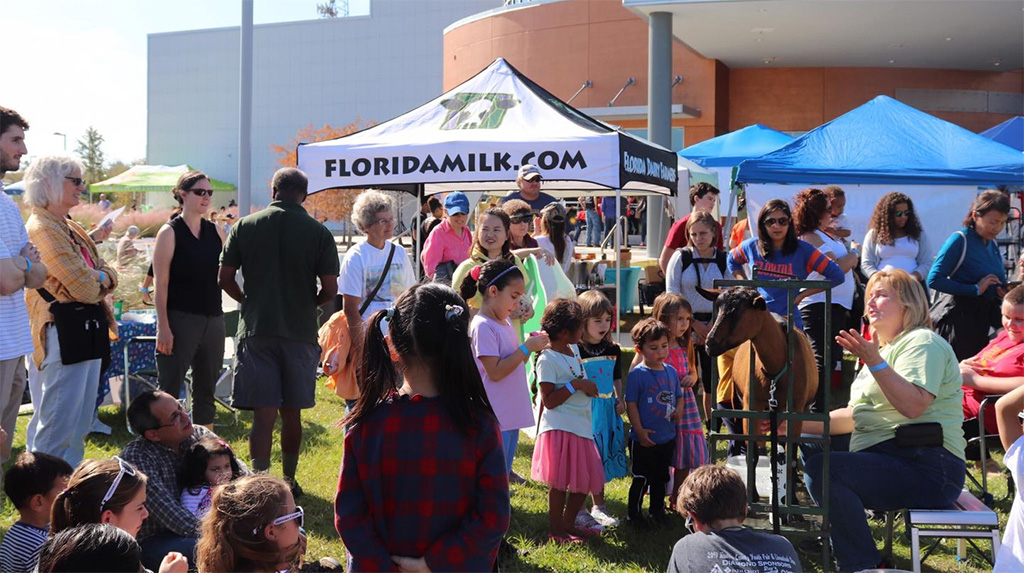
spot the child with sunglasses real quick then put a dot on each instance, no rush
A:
(253, 525)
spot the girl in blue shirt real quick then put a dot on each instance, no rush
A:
(778, 254)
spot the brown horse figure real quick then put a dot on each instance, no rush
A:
(742, 320)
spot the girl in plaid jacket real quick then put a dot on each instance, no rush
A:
(423, 478)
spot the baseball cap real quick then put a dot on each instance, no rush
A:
(456, 202)
(528, 172)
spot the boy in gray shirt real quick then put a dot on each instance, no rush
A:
(714, 500)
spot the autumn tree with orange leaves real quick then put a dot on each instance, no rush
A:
(332, 204)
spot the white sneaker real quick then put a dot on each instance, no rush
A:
(585, 521)
(599, 515)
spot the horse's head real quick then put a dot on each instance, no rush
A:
(738, 315)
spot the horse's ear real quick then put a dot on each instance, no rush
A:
(709, 294)
(760, 304)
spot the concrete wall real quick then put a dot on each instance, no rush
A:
(314, 72)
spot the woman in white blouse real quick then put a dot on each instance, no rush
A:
(552, 236)
(895, 239)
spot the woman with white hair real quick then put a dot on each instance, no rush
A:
(368, 281)
(126, 249)
(65, 380)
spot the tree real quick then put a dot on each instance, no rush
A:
(332, 9)
(90, 151)
(332, 204)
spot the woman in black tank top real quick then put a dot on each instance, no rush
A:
(190, 323)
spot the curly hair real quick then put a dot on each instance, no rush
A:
(810, 205)
(561, 315)
(234, 532)
(367, 205)
(883, 219)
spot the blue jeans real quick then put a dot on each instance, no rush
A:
(883, 477)
(595, 230)
(155, 548)
(510, 439)
(609, 222)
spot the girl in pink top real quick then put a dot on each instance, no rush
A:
(499, 356)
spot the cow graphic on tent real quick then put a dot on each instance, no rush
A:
(476, 110)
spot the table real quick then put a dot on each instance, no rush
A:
(141, 355)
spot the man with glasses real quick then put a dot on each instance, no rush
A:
(528, 182)
(165, 434)
(282, 252)
(20, 268)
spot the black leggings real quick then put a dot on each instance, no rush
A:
(814, 327)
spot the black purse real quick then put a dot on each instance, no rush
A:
(921, 435)
(82, 329)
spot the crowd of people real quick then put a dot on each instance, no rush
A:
(443, 376)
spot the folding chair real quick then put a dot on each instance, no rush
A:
(982, 441)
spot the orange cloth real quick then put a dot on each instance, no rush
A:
(61, 242)
(336, 356)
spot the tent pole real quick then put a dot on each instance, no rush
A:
(418, 247)
(618, 263)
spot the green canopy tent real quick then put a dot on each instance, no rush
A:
(154, 180)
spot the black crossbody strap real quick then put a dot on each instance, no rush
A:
(380, 281)
(46, 295)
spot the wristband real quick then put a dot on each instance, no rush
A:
(526, 351)
(880, 366)
(977, 289)
(28, 265)
(103, 277)
(144, 290)
(570, 388)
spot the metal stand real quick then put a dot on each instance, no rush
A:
(788, 506)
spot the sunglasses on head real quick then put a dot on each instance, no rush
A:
(201, 192)
(780, 221)
(297, 514)
(78, 181)
(125, 468)
(902, 213)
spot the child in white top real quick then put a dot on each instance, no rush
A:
(209, 464)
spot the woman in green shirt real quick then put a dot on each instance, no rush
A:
(906, 446)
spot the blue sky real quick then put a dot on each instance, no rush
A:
(69, 64)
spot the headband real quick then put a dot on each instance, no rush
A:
(501, 274)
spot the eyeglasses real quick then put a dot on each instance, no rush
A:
(902, 213)
(126, 468)
(78, 181)
(781, 222)
(176, 418)
(386, 222)
(201, 192)
(297, 514)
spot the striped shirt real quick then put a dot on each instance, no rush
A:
(19, 551)
(17, 338)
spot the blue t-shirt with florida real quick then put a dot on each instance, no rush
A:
(656, 393)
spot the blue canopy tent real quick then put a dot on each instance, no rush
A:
(731, 149)
(883, 146)
(15, 188)
(723, 153)
(1009, 133)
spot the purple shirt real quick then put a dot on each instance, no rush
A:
(510, 396)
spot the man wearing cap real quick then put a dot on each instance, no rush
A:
(449, 243)
(529, 189)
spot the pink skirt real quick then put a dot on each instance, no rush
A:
(567, 462)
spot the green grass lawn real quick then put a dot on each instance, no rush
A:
(621, 550)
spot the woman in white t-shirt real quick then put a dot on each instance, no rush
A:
(552, 236)
(374, 215)
(812, 214)
(895, 239)
(1011, 434)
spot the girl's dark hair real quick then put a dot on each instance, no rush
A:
(560, 315)
(552, 217)
(506, 249)
(991, 200)
(99, 547)
(810, 206)
(883, 219)
(764, 243)
(429, 325)
(80, 502)
(186, 182)
(488, 272)
(193, 467)
(668, 304)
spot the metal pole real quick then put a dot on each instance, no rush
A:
(659, 117)
(245, 113)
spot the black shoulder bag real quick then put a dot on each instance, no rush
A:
(383, 275)
(82, 329)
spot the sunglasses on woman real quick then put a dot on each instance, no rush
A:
(521, 218)
(902, 213)
(201, 192)
(125, 468)
(77, 181)
(781, 221)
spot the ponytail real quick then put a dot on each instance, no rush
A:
(378, 373)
